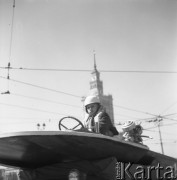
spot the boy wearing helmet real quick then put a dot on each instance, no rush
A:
(97, 120)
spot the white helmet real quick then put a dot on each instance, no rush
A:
(128, 126)
(91, 100)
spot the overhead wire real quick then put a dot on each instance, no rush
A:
(165, 110)
(122, 107)
(69, 70)
(44, 88)
(148, 129)
(33, 109)
(80, 97)
(169, 119)
(46, 100)
(157, 131)
(53, 90)
(18, 117)
(170, 114)
(163, 142)
(87, 70)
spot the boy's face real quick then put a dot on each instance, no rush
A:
(92, 108)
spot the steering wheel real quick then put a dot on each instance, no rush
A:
(70, 123)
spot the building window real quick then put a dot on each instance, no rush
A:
(93, 86)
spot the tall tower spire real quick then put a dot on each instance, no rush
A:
(94, 59)
(96, 85)
(96, 88)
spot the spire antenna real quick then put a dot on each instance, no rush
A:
(94, 54)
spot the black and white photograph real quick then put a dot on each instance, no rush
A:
(88, 89)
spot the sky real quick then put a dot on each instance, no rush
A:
(50, 46)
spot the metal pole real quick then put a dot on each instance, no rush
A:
(161, 143)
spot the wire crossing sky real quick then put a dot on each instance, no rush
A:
(84, 70)
(47, 51)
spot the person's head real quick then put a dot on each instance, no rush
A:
(92, 104)
(128, 126)
(75, 174)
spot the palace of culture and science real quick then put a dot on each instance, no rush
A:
(96, 88)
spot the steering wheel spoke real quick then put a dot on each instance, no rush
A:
(70, 123)
(64, 126)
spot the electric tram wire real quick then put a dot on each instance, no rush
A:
(122, 107)
(46, 100)
(81, 97)
(33, 109)
(87, 70)
(44, 88)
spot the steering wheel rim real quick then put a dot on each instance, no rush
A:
(69, 117)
